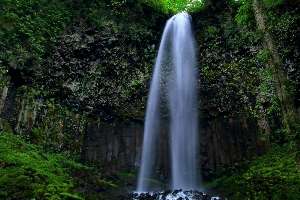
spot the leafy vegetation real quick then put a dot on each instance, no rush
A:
(58, 130)
(267, 94)
(273, 3)
(275, 175)
(245, 16)
(235, 68)
(175, 6)
(230, 60)
(26, 172)
(27, 28)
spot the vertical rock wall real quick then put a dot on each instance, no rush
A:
(117, 145)
(225, 142)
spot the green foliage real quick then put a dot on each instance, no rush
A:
(275, 175)
(26, 172)
(229, 67)
(245, 15)
(282, 25)
(3, 77)
(211, 31)
(175, 6)
(264, 56)
(267, 3)
(273, 3)
(27, 28)
(111, 59)
(267, 98)
(58, 129)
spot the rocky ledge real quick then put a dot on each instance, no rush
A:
(174, 195)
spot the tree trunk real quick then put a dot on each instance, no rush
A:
(279, 76)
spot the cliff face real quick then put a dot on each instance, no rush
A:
(117, 144)
(87, 96)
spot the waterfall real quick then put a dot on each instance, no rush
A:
(175, 79)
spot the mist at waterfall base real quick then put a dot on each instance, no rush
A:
(175, 82)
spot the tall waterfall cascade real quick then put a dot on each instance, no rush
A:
(174, 81)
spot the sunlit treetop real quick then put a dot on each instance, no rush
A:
(176, 6)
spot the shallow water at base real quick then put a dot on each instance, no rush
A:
(174, 195)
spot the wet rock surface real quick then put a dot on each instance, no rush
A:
(173, 195)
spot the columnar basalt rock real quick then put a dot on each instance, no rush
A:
(117, 144)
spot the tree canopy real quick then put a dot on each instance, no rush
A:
(175, 6)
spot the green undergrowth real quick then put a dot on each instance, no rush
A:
(27, 172)
(275, 176)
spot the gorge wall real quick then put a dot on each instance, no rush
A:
(87, 96)
(116, 145)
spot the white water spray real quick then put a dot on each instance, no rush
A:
(175, 76)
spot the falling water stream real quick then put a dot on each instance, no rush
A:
(175, 79)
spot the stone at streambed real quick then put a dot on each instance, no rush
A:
(173, 195)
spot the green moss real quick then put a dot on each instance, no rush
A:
(275, 175)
